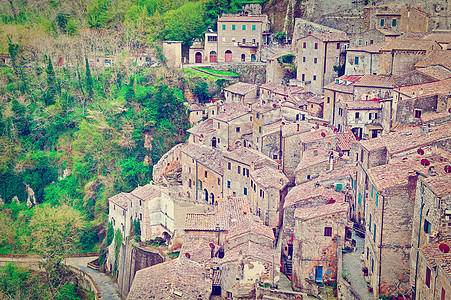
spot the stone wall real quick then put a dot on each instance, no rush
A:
(265, 293)
(167, 165)
(254, 73)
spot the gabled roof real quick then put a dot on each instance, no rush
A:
(231, 111)
(437, 72)
(308, 190)
(344, 85)
(361, 105)
(241, 88)
(434, 257)
(440, 185)
(251, 249)
(247, 156)
(288, 128)
(316, 135)
(242, 18)
(250, 226)
(211, 158)
(370, 80)
(344, 140)
(312, 212)
(203, 128)
(410, 44)
(442, 87)
(331, 37)
(269, 178)
(388, 32)
(436, 58)
(372, 48)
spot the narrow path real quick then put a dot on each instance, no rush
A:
(106, 285)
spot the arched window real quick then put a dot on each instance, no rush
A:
(252, 57)
(228, 56)
(213, 57)
(243, 57)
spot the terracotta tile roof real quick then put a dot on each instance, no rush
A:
(281, 88)
(431, 88)
(331, 37)
(211, 158)
(171, 280)
(391, 11)
(344, 85)
(146, 192)
(433, 255)
(199, 221)
(434, 116)
(344, 140)
(266, 107)
(370, 80)
(230, 209)
(372, 48)
(204, 128)
(241, 88)
(288, 128)
(247, 155)
(312, 212)
(238, 18)
(277, 55)
(121, 200)
(437, 72)
(409, 44)
(198, 249)
(436, 58)
(444, 37)
(349, 170)
(196, 107)
(440, 185)
(388, 32)
(308, 191)
(315, 135)
(250, 226)
(309, 158)
(397, 171)
(230, 111)
(361, 105)
(407, 139)
(269, 178)
(315, 99)
(251, 249)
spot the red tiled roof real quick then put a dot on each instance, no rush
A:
(440, 185)
(241, 88)
(331, 37)
(371, 80)
(438, 72)
(211, 158)
(436, 58)
(146, 192)
(361, 104)
(247, 156)
(230, 111)
(388, 32)
(288, 128)
(120, 200)
(199, 221)
(269, 178)
(250, 226)
(410, 44)
(204, 128)
(372, 48)
(253, 250)
(424, 89)
(313, 136)
(434, 116)
(344, 140)
(311, 212)
(433, 255)
(307, 191)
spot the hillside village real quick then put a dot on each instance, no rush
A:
(333, 177)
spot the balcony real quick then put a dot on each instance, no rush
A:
(248, 45)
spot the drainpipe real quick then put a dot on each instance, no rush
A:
(380, 245)
(324, 70)
(197, 183)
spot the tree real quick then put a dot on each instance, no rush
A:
(201, 90)
(89, 81)
(55, 233)
(51, 84)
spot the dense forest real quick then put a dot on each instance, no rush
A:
(72, 134)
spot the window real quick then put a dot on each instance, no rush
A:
(238, 129)
(374, 233)
(233, 27)
(229, 294)
(327, 231)
(393, 23)
(382, 22)
(254, 27)
(338, 45)
(259, 129)
(314, 78)
(428, 277)
(340, 111)
(315, 60)
(372, 265)
(140, 216)
(367, 252)
(219, 181)
(244, 27)
(189, 183)
(316, 45)
(427, 226)
(239, 170)
(303, 77)
(303, 59)
(372, 190)
(274, 156)
(229, 166)
(360, 42)
(369, 224)
(223, 27)
(219, 125)
(245, 191)
(356, 60)
(258, 116)
(417, 113)
(377, 198)
(262, 193)
(228, 184)
(304, 45)
(328, 100)
(443, 294)
(206, 174)
(357, 115)
(361, 155)
(308, 177)
(360, 198)
(212, 38)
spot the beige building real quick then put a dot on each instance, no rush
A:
(402, 19)
(316, 56)
(172, 51)
(241, 92)
(363, 60)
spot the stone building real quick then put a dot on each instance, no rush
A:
(431, 214)
(172, 51)
(197, 113)
(273, 92)
(323, 137)
(240, 92)
(316, 56)
(363, 118)
(372, 36)
(400, 55)
(274, 69)
(390, 209)
(238, 165)
(341, 89)
(315, 106)
(205, 51)
(399, 19)
(202, 173)
(433, 278)
(363, 60)
(319, 234)
(202, 133)
(267, 193)
(231, 121)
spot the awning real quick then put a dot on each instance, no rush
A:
(374, 127)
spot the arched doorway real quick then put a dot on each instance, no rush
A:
(252, 57)
(212, 198)
(213, 142)
(213, 57)
(228, 56)
(206, 195)
(243, 57)
(198, 57)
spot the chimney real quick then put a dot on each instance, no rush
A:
(431, 171)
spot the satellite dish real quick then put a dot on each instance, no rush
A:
(420, 151)
(425, 162)
(323, 134)
(444, 248)
(212, 245)
(447, 169)
(274, 105)
(187, 255)
(325, 124)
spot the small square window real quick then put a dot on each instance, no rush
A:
(393, 23)
(316, 45)
(244, 27)
(327, 231)
(229, 166)
(245, 191)
(238, 129)
(417, 113)
(228, 184)
(314, 78)
(304, 45)
(315, 60)
(357, 115)
(338, 45)
(382, 22)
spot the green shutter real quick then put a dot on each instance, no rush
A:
(244, 27)
(360, 198)
(377, 198)
(233, 26)
(393, 23)
(382, 22)
(369, 227)
(254, 27)
(372, 189)
(339, 187)
(223, 27)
